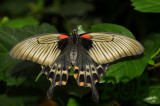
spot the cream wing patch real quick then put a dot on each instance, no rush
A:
(42, 49)
(108, 47)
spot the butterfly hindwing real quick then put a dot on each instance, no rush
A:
(86, 72)
(58, 72)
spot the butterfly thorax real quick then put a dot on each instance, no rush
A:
(74, 36)
(73, 52)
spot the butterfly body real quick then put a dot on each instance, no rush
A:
(88, 53)
(73, 54)
(74, 38)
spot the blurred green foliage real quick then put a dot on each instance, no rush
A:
(153, 96)
(152, 6)
(132, 81)
(5, 22)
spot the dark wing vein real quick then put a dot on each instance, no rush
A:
(42, 49)
(108, 47)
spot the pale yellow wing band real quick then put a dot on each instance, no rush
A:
(42, 49)
(108, 47)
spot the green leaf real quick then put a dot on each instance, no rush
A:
(4, 19)
(156, 53)
(152, 45)
(125, 70)
(152, 6)
(20, 22)
(13, 71)
(81, 29)
(107, 27)
(40, 4)
(151, 62)
(40, 73)
(72, 102)
(153, 96)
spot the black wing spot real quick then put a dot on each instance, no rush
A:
(81, 78)
(88, 79)
(51, 75)
(95, 76)
(54, 67)
(62, 44)
(76, 71)
(64, 77)
(87, 70)
(100, 70)
(87, 44)
(93, 69)
(57, 78)
(46, 69)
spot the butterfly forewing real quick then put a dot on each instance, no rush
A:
(108, 47)
(43, 49)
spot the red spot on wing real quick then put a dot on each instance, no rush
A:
(63, 36)
(87, 36)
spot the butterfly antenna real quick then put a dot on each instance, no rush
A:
(68, 20)
(83, 17)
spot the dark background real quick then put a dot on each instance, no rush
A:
(66, 15)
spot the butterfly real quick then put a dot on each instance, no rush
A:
(89, 54)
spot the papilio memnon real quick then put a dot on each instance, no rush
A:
(88, 53)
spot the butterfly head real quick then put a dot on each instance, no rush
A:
(74, 32)
(74, 35)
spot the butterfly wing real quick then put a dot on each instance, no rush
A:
(98, 49)
(43, 49)
(94, 49)
(58, 73)
(108, 47)
(86, 72)
(49, 50)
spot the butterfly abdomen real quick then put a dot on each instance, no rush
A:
(73, 54)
